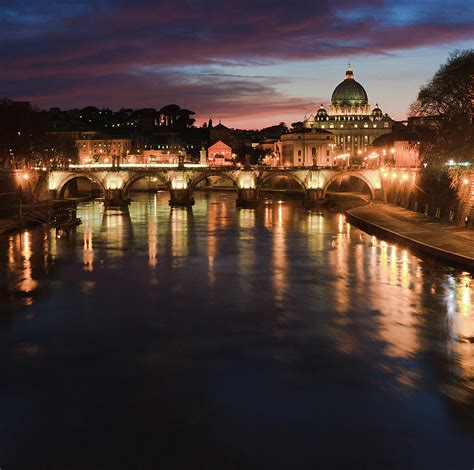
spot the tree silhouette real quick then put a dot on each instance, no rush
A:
(443, 109)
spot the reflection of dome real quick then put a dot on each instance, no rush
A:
(349, 92)
(377, 112)
(322, 113)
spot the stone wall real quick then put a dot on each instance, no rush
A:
(21, 187)
(431, 194)
(14, 191)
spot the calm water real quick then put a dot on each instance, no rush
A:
(219, 338)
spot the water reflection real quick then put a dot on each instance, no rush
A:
(179, 235)
(274, 222)
(152, 232)
(211, 283)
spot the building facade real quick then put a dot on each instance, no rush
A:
(102, 150)
(352, 121)
(305, 147)
(220, 154)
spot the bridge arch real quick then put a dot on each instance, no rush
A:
(138, 176)
(90, 176)
(287, 174)
(343, 174)
(203, 176)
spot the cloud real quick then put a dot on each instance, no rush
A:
(74, 52)
(229, 97)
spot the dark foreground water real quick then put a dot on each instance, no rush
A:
(218, 338)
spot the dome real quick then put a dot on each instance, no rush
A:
(377, 112)
(322, 111)
(349, 92)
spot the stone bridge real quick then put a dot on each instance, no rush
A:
(181, 181)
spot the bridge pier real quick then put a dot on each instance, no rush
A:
(181, 198)
(114, 199)
(314, 198)
(247, 198)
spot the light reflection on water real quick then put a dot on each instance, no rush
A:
(278, 284)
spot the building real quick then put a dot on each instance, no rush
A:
(220, 154)
(352, 121)
(305, 147)
(399, 149)
(157, 156)
(223, 133)
(103, 149)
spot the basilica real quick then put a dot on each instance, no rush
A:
(350, 121)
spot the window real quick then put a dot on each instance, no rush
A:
(327, 154)
(299, 153)
(313, 151)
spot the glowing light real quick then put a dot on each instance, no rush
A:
(179, 182)
(341, 223)
(137, 165)
(246, 181)
(466, 295)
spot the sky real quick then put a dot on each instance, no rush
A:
(251, 63)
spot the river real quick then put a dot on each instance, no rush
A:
(225, 338)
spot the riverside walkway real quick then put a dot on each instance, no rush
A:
(447, 241)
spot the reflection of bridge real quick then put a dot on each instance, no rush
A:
(182, 181)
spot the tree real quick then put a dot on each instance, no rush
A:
(172, 115)
(442, 112)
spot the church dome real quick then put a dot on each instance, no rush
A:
(377, 112)
(349, 92)
(322, 113)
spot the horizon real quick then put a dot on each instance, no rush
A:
(249, 66)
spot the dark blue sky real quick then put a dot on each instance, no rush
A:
(249, 63)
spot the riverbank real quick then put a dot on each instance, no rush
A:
(53, 213)
(445, 241)
(8, 225)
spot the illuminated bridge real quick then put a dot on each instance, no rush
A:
(182, 180)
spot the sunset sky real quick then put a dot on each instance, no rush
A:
(249, 63)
